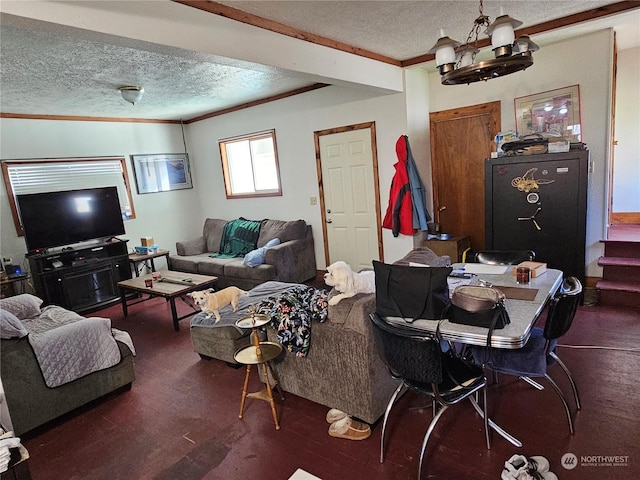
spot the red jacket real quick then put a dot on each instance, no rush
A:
(399, 216)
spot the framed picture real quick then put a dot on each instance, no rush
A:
(161, 172)
(556, 113)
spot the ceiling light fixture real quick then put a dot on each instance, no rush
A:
(457, 62)
(132, 94)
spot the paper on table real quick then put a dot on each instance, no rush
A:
(481, 268)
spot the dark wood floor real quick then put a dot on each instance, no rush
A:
(180, 419)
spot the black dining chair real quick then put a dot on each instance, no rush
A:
(539, 353)
(421, 365)
(499, 257)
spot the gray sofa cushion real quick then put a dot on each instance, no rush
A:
(187, 263)
(285, 231)
(213, 266)
(260, 273)
(192, 247)
(212, 232)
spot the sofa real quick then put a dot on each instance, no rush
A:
(342, 368)
(41, 384)
(291, 259)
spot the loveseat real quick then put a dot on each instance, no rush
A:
(292, 259)
(342, 368)
(40, 382)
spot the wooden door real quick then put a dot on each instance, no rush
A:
(348, 183)
(461, 141)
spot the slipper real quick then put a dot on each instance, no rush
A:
(334, 415)
(349, 429)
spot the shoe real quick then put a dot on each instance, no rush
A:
(519, 464)
(334, 415)
(350, 429)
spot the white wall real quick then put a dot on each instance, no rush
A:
(164, 215)
(626, 178)
(179, 215)
(586, 61)
(417, 105)
(295, 119)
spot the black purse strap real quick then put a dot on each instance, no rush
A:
(501, 311)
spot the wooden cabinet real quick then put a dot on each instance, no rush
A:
(539, 203)
(82, 279)
(454, 247)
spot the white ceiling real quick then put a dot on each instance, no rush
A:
(69, 58)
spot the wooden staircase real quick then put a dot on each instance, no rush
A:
(620, 284)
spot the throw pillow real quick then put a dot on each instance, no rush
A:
(11, 326)
(22, 306)
(256, 257)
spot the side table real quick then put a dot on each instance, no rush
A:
(261, 354)
(146, 260)
(454, 247)
(8, 285)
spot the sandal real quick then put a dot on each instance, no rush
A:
(334, 415)
(350, 429)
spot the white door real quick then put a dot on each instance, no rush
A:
(349, 195)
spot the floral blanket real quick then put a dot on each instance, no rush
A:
(292, 313)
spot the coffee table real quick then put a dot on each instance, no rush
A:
(170, 285)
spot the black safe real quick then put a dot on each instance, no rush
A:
(539, 203)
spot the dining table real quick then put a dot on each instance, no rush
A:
(524, 304)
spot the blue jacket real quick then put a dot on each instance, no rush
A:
(420, 214)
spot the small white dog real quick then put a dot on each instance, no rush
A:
(349, 283)
(211, 301)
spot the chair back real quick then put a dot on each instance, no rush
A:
(562, 308)
(500, 257)
(410, 357)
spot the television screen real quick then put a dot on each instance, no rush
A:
(54, 219)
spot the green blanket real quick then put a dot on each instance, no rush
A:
(239, 237)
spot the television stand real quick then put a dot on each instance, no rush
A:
(81, 278)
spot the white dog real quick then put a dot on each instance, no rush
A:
(349, 283)
(211, 301)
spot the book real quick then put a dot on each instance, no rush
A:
(537, 268)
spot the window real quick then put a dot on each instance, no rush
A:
(250, 165)
(55, 175)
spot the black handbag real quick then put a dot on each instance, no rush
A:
(411, 292)
(478, 306)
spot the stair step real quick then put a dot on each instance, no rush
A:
(621, 294)
(631, 287)
(619, 261)
(621, 248)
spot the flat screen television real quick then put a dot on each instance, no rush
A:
(55, 219)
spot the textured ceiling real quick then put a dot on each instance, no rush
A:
(402, 29)
(50, 69)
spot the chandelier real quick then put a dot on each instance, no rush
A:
(457, 62)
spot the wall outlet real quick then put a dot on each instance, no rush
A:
(313, 201)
